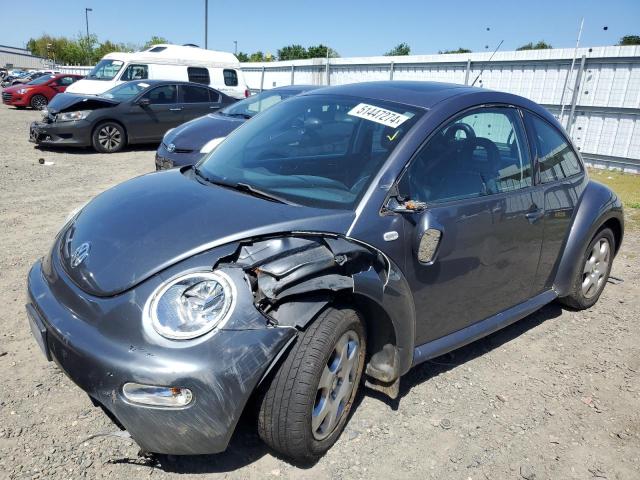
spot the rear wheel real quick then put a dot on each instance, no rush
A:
(109, 137)
(593, 272)
(307, 403)
(38, 102)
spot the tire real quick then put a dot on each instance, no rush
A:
(592, 273)
(38, 102)
(109, 137)
(291, 419)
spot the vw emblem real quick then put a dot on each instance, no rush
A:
(171, 148)
(80, 254)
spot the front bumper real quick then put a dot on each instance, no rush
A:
(178, 158)
(63, 134)
(100, 356)
(14, 99)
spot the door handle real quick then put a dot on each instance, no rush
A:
(534, 215)
(175, 109)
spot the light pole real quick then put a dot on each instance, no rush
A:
(86, 17)
(235, 47)
(206, 19)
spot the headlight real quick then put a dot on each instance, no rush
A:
(71, 116)
(192, 304)
(22, 90)
(211, 144)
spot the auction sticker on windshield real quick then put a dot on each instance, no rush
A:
(378, 115)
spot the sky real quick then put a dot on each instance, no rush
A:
(352, 27)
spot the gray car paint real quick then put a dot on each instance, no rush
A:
(157, 226)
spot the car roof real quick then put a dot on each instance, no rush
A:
(295, 88)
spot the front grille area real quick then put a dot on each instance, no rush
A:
(6, 97)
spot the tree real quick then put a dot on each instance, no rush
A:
(242, 57)
(541, 45)
(400, 49)
(459, 50)
(155, 40)
(630, 40)
(260, 57)
(320, 51)
(292, 52)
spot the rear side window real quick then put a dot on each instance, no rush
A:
(556, 157)
(135, 72)
(214, 96)
(230, 77)
(191, 94)
(198, 75)
(66, 81)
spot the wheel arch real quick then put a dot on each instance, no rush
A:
(599, 208)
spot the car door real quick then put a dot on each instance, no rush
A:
(153, 113)
(197, 101)
(473, 251)
(560, 181)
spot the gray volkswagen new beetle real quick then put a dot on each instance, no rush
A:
(341, 237)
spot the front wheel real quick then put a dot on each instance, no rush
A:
(307, 403)
(38, 102)
(593, 272)
(109, 137)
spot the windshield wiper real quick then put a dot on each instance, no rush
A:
(242, 115)
(245, 188)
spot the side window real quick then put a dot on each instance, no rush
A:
(191, 94)
(214, 96)
(198, 75)
(65, 81)
(162, 95)
(556, 157)
(479, 153)
(135, 72)
(230, 77)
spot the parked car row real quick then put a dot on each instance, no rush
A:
(38, 92)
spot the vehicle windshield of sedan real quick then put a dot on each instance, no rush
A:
(315, 150)
(105, 70)
(125, 91)
(41, 80)
(255, 104)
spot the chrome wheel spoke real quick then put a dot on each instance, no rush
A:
(596, 268)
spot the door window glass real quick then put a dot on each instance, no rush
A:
(162, 95)
(135, 72)
(230, 77)
(214, 96)
(198, 75)
(65, 81)
(479, 153)
(556, 158)
(195, 94)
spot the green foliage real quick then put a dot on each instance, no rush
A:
(541, 45)
(242, 57)
(630, 40)
(292, 52)
(320, 51)
(400, 49)
(459, 50)
(81, 50)
(260, 57)
(155, 40)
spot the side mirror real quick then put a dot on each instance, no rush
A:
(144, 102)
(399, 205)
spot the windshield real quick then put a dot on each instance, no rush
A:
(125, 91)
(315, 150)
(105, 70)
(41, 80)
(255, 104)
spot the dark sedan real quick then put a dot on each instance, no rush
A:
(188, 143)
(133, 112)
(346, 234)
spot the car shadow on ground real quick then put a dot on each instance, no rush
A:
(138, 147)
(246, 447)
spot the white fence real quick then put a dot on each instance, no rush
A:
(601, 97)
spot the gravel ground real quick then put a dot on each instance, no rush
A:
(555, 396)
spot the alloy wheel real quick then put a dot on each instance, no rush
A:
(596, 268)
(38, 102)
(109, 137)
(336, 385)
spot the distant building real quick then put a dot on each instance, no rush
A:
(15, 57)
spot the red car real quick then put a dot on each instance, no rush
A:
(39, 92)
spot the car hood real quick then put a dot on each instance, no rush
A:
(69, 102)
(194, 134)
(149, 223)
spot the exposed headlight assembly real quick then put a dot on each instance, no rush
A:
(191, 305)
(71, 116)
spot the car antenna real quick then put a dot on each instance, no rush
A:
(486, 63)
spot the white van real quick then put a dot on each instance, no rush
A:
(166, 62)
